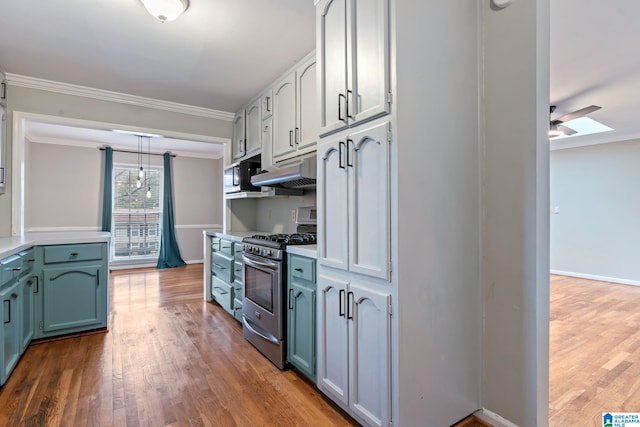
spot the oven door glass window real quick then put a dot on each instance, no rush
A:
(259, 287)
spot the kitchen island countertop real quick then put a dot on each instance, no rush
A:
(15, 244)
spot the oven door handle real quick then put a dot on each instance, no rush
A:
(253, 262)
(253, 330)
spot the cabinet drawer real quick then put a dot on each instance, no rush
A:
(222, 267)
(67, 253)
(237, 313)
(222, 292)
(215, 244)
(10, 268)
(303, 268)
(226, 247)
(28, 258)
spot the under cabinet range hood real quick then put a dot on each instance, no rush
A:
(300, 176)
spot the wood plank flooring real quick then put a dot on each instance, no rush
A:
(168, 359)
(594, 350)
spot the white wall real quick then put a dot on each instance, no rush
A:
(63, 191)
(515, 249)
(38, 101)
(435, 152)
(596, 232)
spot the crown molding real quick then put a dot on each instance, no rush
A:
(106, 95)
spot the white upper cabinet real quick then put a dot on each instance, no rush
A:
(3, 141)
(306, 106)
(253, 128)
(3, 90)
(354, 202)
(353, 60)
(247, 131)
(237, 147)
(267, 104)
(295, 112)
(284, 116)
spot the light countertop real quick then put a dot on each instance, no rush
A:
(310, 251)
(12, 245)
(233, 235)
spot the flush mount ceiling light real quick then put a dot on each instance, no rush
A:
(165, 10)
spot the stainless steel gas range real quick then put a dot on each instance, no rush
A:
(264, 303)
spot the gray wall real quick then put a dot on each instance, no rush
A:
(38, 101)
(596, 232)
(515, 249)
(436, 156)
(64, 192)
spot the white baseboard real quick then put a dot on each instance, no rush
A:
(494, 419)
(596, 277)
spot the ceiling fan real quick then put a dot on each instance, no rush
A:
(556, 127)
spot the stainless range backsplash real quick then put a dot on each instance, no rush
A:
(274, 213)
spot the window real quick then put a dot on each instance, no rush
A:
(136, 219)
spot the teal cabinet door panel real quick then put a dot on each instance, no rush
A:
(10, 329)
(302, 325)
(73, 297)
(27, 290)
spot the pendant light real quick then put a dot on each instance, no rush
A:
(140, 171)
(165, 10)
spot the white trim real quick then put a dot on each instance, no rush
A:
(147, 265)
(596, 277)
(107, 95)
(95, 144)
(60, 229)
(198, 226)
(492, 418)
(18, 137)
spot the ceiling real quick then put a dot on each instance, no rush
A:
(595, 60)
(217, 55)
(221, 53)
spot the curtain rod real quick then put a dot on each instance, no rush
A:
(136, 152)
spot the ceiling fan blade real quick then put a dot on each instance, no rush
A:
(566, 130)
(578, 113)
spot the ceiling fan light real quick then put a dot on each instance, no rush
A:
(165, 10)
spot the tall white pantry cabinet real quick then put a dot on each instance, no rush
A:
(354, 208)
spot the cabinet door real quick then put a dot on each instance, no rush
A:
(238, 145)
(73, 297)
(284, 116)
(332, 340)
(369, 354)
(27, 289)
(267, 104)
(301, 346)
(3, 141)
(332, 205)
(369, 201)
(11, 302)
(253, 128)
(368, 59)
(266, 158)
(307, 106)
(331, 27)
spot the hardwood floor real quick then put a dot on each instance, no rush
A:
(168, 359)
(594, 350)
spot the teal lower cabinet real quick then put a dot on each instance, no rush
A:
(10, 312)
(72, 295)
(28, 289)
(224, 274)
(301, 315)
